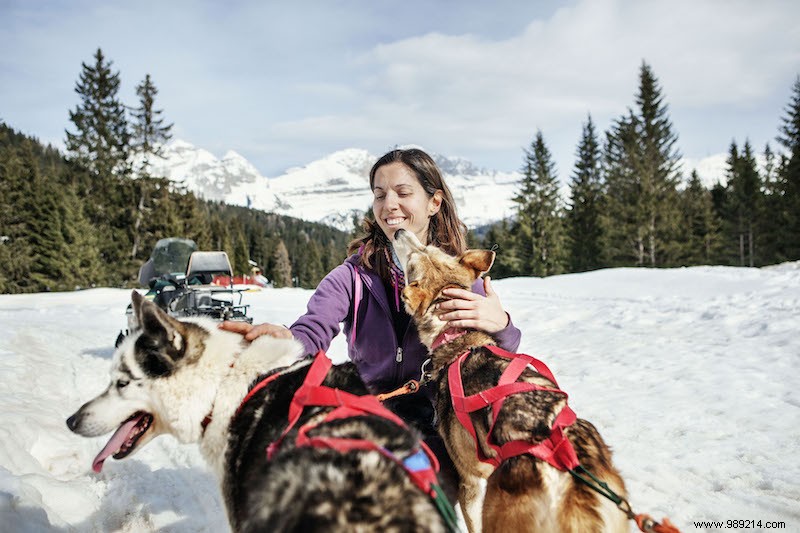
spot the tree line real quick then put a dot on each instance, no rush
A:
(630, 205)
(91, 217)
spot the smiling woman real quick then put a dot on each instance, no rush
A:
(363, 293)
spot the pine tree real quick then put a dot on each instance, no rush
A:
(622, 228)
(154, 214)
(583, 217)
(282, 269)
(100, 146)
(42, 209)
(744, 201)
(141, 191)
(101, 140)
(642, 166)
(241, 255)
(501, 238)
(541, 237)
(82, 259)
(307, 264)
(789, 174)
(149, 133)
(260, 251)
(772, 217)
(220, 236)
(5, 256)
(15, 251)
(724, 204)
(194, 216)
(700, 222)
(332, 257)
(43, 229)
(770, 170)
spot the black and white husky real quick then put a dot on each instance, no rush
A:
(188, 379)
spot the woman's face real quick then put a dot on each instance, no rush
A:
(400, 201)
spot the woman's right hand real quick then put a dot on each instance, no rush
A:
(252, 332)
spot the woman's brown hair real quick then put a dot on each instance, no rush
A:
(445, 230)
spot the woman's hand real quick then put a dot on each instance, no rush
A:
(252, 332)
(466, 309)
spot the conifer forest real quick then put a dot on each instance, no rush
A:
(91, 216)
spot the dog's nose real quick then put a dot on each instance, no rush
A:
(73, 421)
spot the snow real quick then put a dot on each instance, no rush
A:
(689, 374)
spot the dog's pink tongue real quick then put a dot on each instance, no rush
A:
(114, 444)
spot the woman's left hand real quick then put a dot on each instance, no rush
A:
(466, 309)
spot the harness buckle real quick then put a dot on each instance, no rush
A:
(625, 507)
(425, 375)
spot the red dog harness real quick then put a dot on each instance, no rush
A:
(421, 466)
(556, 450)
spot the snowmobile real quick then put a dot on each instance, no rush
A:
(180, 279)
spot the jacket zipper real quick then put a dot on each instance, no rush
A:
(399, 354)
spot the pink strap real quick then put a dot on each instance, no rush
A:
(356, 299)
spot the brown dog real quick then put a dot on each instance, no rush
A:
(523, 493)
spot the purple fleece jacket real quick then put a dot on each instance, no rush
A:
(384, 362)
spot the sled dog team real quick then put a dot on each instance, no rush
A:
(299, 445)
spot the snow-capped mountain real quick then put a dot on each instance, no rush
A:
(202, 173)
(334, 189)
(330, 190)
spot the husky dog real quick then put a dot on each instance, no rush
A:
(188, 379)
(523, 493)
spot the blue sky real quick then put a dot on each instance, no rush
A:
(284, 83)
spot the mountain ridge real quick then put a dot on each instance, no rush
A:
(335, 188)
(331, 190)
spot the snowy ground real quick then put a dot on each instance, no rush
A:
(690, 375)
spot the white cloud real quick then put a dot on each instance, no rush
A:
(471, 93)
(286, 85)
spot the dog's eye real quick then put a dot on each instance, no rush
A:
(121, 384)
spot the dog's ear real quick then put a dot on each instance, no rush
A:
(162, 342)
(479, 261)
(413, 296)
(158, 323)
(136, 302)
